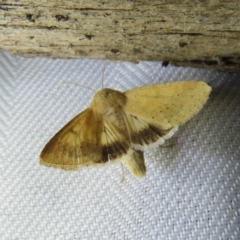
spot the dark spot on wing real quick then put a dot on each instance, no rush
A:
(114, 150)
(149, 135)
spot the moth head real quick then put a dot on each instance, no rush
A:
(107, 99)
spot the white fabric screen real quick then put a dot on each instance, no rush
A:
(191, 191)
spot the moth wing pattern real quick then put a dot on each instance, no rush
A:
(88, 139)
(76, 144)
(115, 143)
(154, 112)
(145, 133)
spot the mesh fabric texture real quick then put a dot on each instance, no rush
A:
(192, 187)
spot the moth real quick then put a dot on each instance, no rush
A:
(119, 126)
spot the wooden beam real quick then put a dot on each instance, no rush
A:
(202, 33)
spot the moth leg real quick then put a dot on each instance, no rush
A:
(123, 175)
(166, 146)
(136, 165)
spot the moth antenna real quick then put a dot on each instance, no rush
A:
(78, 84)
(104, 66)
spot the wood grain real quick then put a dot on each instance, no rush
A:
(202, 33)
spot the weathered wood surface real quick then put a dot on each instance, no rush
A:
(202, 33)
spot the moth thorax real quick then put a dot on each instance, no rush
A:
(108, 102)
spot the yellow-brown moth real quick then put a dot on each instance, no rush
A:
(119, 126)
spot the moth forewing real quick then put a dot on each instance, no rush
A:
(168, 104)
